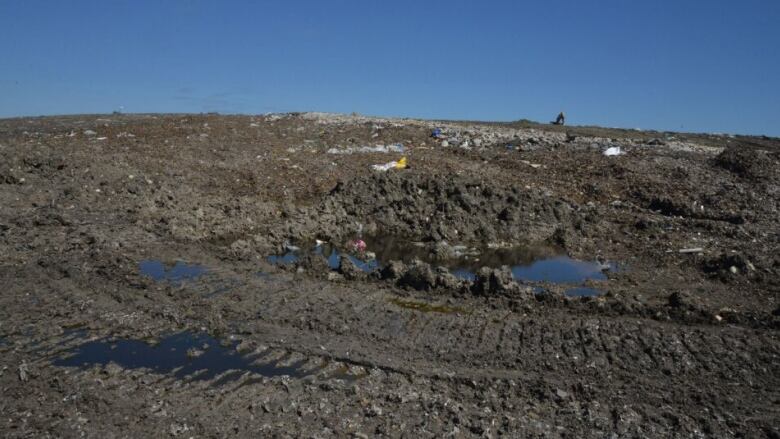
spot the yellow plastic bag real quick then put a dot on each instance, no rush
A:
(401, 164)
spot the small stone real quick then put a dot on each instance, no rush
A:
(562, 394)
(733, 269)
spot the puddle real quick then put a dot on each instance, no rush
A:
(181, 271)
(183, 355)
(560, 269)
(583, 292)
(529, 264)
(427, 307)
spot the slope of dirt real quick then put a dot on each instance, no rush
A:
(158, 228)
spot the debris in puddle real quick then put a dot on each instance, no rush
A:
(530, 264)
(181, 271)
(196, 356)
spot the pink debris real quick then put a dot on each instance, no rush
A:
(358, 245)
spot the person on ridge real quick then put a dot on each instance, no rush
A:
(560, 120)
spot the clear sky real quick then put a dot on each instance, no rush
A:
(704, 65)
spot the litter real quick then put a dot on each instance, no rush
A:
(289, 247)
(396, 147)
(358, 245)
(613, 150)
(692, 250)
(399, 164)
(436, 133)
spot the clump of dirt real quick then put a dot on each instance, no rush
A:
(748, 163)
(497, 281)
(726, 266)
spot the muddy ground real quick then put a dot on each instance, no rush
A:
(139, 300)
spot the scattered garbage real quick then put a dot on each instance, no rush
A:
(89, 133)
(692, 250)
(613, 150)
(436, 133)
(396, 147)
(395, 164)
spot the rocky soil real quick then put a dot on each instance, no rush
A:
(161, 277)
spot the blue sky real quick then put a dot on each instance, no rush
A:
(710, 66)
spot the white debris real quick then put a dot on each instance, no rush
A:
(614, 150)
(396, 147)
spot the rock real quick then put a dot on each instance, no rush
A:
(349, 270)
(373, 411)
(418, 276)
(446, 280)
(241, 248)
(562, 394)
(24, 372)
(727, 263)
(443, 251)
(445, 143)
(335, 277)
(491, 282)
(393, 270)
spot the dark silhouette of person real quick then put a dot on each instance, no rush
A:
(561, 119)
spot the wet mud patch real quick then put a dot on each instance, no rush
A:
(179, 272)
(186, 355)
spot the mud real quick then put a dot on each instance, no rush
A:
(197, 280)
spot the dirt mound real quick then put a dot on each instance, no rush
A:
(752, 164)
(432, 208)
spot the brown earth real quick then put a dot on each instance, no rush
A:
(683, 344)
